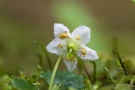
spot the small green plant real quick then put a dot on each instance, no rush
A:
(109, 72)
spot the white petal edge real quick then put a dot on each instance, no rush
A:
(70, 65)
(60, 28)
(90, 54)
(52, 47)
(83, 32)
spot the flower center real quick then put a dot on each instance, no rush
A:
(72, 45)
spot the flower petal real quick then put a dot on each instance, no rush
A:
(90, 54)
(82, 33)
(71, 65)
(59, 29)
(56, 46)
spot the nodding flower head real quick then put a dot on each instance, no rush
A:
(72, 45)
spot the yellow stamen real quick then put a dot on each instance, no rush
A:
(83, 51)
(60, 45)
(77, 37)
(63, 35)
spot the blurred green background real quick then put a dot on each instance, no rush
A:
(22, 21)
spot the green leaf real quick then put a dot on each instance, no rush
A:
(108, 87)
(3, 84)
(21, 84)
(126, 79)
(109, 75)
(123, 87)
(64, 79)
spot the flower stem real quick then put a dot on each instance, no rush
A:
(84, 68)
(94, 66)
(54, 72)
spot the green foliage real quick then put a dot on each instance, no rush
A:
(107, 87)
(21, 84)
(109, 75)
(31, 80)
(88, 84)
(103, 77)
(118, 61)
(128, 79)
(64, 79)
(4, 83)
(123, 87)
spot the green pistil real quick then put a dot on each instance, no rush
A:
(73, 46)
(70, 51)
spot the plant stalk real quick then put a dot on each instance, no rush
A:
(94, 66)
(54, 72)
(122, 65)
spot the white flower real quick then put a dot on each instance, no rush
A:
(71, 44)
